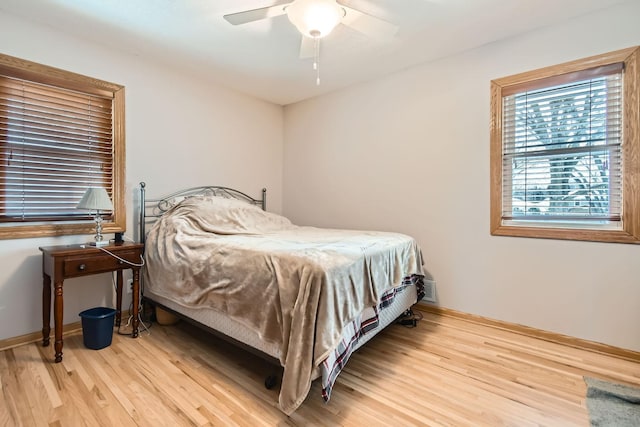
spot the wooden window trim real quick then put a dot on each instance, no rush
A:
(630, 232)
(16, 67)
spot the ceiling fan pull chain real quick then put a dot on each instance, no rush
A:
(316, 59)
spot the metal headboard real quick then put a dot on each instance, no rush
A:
(152, 209)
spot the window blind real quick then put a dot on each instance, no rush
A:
(562, 151)
(55, 143)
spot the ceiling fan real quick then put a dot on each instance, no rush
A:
(315, 19)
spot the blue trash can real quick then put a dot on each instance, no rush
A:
(97, 327)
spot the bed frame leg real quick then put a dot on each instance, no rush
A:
(271, 381)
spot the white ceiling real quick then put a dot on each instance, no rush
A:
(261, 58)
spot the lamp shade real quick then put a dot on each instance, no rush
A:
(315, 18)
(95, 199)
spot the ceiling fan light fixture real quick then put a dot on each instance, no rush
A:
(315, 18)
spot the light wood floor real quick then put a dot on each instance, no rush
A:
(447, 371)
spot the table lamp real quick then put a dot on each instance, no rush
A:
(96, 199)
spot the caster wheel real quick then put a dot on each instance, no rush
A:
(270, 382)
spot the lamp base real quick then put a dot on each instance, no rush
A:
(99, 243)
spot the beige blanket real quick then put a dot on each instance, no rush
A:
(295, 286)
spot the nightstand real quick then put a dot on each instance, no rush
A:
(63, 262)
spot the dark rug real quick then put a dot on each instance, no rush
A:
(612, 405)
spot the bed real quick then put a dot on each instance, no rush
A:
(303, 297)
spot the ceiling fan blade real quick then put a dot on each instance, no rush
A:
(367, 24)
(307, 47)
(247, 16)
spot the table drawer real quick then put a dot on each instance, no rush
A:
(81, 265)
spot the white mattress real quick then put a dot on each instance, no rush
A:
(219, 322)
(241, 333)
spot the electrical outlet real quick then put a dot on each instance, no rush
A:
(130, 286)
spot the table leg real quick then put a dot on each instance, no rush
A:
(136, 301)
(58, 304)
(46, 309)
(118, 298)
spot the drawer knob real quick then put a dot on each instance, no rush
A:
(82, 267)
(120, 262)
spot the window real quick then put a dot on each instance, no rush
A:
(565, 150)
(60, 133)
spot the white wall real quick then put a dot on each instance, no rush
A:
(180, 131)
(410, 153)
